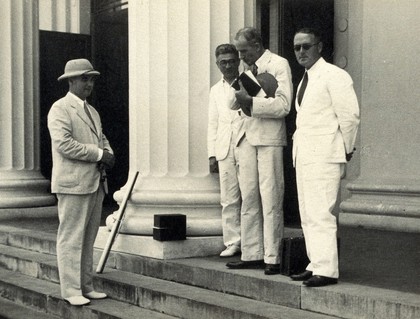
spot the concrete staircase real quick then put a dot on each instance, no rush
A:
(195, 288)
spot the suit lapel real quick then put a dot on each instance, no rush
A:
(96, 125)
(82, 114)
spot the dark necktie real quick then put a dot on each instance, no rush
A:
(254, 69)
(89, 115)
(303, 87)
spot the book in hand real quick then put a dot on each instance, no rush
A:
(250, 84)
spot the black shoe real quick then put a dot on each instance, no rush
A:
(272, 269)
(319, 281)
(302, 276)
(252, 264)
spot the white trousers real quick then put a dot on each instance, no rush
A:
(230, 199)
(318, 185)
(261, 181)
(79, 217)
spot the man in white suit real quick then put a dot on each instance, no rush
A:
(223, 127)
(260, 155)
(81, 153)
(326, 127)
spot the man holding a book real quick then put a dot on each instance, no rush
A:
(260, 153)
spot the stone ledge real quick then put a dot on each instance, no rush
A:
(31, 212)
(147, 246)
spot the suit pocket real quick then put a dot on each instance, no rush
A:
(68, 181)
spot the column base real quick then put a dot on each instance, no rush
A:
(384, 205)
(148, 247)
(21, 189)
(31, 212)
(143, 225)
(196, 197)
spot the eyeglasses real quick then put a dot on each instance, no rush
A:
(305, 46)
(223, 63)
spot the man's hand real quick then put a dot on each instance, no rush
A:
(349, 155)
(235, 106)
(244, 99)
(213, 165)
(108, 160)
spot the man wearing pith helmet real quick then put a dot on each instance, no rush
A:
(81, 154)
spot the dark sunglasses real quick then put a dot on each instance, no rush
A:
(305, 46)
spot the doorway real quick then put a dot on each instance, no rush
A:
(110, 55)
(107, 48)
(52, 59)
(278, 21)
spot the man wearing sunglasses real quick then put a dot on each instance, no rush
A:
(326, 127)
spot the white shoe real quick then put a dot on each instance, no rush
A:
(231, 250)
(96, 295)
(77, 300)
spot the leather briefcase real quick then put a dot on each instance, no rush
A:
(293, 256)
(294, 259)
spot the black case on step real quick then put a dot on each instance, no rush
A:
(293, 256)
(169, 227)
(294, 259)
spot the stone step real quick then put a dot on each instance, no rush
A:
(41, 241)
(192, 302)
(30, 263)
(344, 300)
(209, 273)
(155, 294)
(11, 310)
(43, 297)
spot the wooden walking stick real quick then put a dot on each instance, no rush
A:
(116, 226)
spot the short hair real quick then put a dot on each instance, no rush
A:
(313, 31)
(251, 34)
(226, 49)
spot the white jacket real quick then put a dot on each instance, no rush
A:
(75, 147)
(266, 126)
(223, 122)
(328, 118)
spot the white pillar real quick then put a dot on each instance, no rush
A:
(71, 16)
(171, 49)
(21, 183)
(386, 194)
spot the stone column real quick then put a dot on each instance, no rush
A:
(72, 16)
(172, 67)
(386, 195)
(380, 221)
(21, 183)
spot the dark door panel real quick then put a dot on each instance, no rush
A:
(55, 49)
